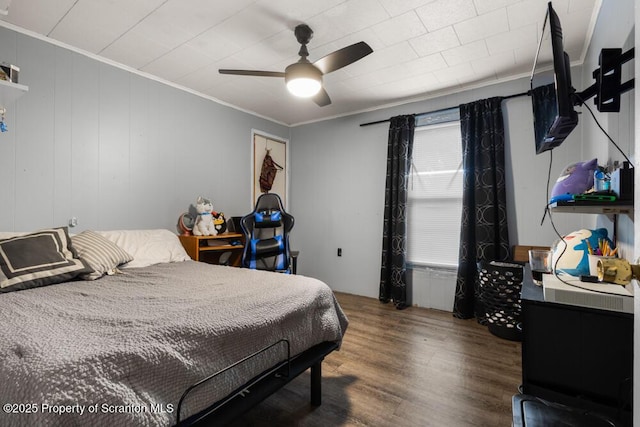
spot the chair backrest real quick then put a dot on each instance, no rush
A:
(266, 231)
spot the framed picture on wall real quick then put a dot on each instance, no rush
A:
(270, 172)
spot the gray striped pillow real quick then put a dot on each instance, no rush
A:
(102, 255)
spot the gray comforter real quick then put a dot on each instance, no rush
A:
(121, 350)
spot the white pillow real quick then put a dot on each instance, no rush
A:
(148, 247)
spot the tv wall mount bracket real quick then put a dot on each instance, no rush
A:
(608, 86)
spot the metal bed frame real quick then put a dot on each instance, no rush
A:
(261, 386)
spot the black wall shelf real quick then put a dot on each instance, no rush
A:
(588, 207)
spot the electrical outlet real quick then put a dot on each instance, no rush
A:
(339, 251)
(73, 222)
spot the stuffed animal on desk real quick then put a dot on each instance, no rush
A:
(204, 225)
(219, 223)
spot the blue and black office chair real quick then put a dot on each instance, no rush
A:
(266, 231)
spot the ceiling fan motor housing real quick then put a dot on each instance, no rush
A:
(303, 33)
(302, 70)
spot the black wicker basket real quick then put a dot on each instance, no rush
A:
(499, 286)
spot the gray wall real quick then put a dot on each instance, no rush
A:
(338, 178)
(117, 150)
(615, 29)
(338, 172)
(112, 148)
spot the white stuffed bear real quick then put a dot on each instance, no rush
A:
(204, 225)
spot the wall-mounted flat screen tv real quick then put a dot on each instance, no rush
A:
(554, 115)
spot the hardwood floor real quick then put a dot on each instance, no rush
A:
(414, 367)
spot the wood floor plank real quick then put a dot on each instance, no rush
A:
(412, 367)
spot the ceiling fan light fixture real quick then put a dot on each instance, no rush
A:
(304, 87)
(303, 79)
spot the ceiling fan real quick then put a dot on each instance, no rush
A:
(304, 78)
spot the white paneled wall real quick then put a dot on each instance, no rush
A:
(112, 148)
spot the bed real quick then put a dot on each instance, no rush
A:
(120, 343)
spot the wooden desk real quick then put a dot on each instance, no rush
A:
(210, 248)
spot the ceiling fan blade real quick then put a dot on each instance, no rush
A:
(252, 73)
(343, 57)
(322, 98)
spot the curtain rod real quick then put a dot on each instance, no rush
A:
(527, 93)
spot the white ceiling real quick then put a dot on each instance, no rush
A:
(422, 48)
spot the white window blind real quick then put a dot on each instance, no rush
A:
(434, 202)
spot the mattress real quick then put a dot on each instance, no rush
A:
(121, 350)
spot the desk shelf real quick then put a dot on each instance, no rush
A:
(206, 249)
(218, 248)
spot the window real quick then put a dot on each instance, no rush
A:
(434, 202)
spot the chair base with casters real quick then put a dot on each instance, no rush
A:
(266, 231)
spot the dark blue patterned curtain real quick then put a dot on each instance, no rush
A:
(393, 283)
(484, 234)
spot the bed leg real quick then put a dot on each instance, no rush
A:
(316, 384)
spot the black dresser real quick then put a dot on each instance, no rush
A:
(576, 356)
